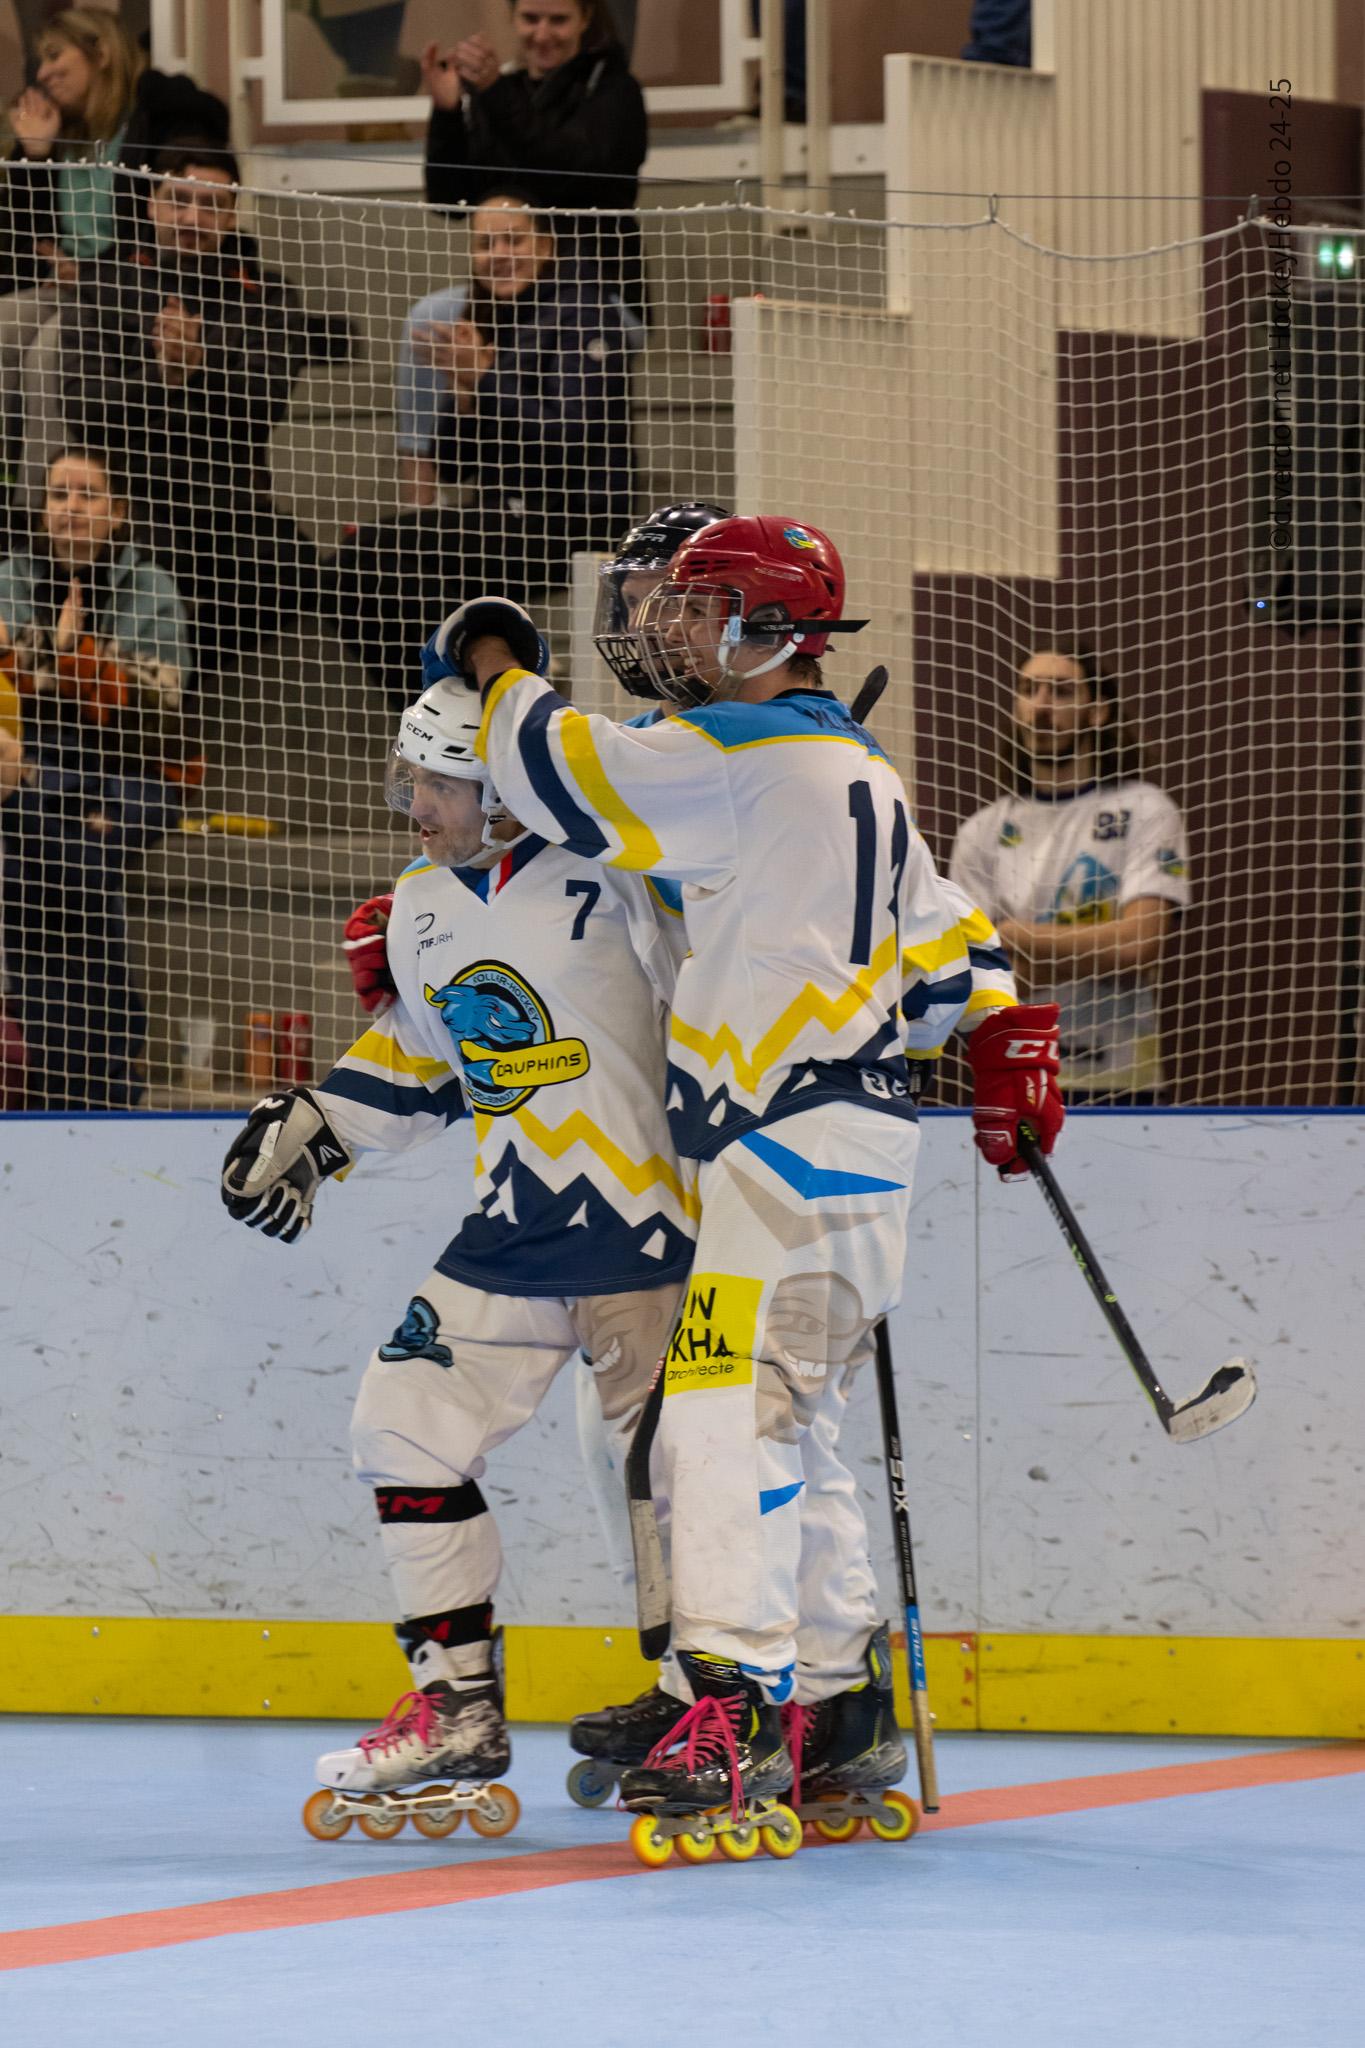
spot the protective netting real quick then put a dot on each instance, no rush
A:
(256, 456)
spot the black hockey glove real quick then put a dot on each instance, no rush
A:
(446, 654)
(278, 1161)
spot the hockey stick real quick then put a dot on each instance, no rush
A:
(873, 685)
(1231, 1390)
(653, 1602)
(922, 1720)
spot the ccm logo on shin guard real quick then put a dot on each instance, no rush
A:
(437, 1504)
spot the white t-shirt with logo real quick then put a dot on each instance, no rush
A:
(1080, 859)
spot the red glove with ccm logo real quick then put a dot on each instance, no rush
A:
(366, 952)
(1014, 1080)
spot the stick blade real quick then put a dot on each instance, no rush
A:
(1228, 1394)
(653, 1599)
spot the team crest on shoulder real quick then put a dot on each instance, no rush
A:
(504, 1037)
(1010, 835)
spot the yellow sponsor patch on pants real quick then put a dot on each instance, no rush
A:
(713, 1345)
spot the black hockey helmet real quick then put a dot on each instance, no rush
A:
(646, 551)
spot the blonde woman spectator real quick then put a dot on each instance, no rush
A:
(94, 106)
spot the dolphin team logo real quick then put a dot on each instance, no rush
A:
(504, 1036)
(416, 1335)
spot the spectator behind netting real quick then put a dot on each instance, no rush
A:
(566, 127)
(1083, 870)
(533, 425)
(61, 210)
(179, 358)
(96, 640)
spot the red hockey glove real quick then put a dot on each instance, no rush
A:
(367, 956)
(1014, 1073)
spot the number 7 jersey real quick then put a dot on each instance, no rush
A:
(534, 994)
(806, 889)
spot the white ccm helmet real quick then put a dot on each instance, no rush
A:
(438, 733)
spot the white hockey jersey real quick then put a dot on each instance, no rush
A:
(808, 894)
(1078, 859)
(534, 994)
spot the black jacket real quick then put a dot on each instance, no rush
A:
(575, 138)
(164, 106)
(547, 438)
(204, 439)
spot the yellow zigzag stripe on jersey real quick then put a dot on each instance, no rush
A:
(935, 954)
(635, 1176)
(977, 928)
(639, 847)
(382, 1051)
(490, 704)
(811, 1006)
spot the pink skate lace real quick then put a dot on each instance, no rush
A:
(796, 1726)
(707, 1731)
(414, 1714)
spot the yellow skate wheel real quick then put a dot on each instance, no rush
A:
(900, 1823)
(436, 1822)
(695, 1848)
(782, 1832)
(498, 1812)
(649, 1846)
(379, 1821)
(843, 1829)
(739, 1845)
(324, 1817)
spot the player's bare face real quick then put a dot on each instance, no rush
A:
(505, 252)
(636, 586)
(687, 632)
(549, 33)
(1055, 709)
(448, 814)
(195, 214)
(65, 73)
(81, 515)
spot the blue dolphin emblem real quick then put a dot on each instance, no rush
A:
(415, 1336)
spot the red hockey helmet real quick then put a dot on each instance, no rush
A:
(771, 582)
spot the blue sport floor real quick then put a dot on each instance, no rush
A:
(156, 1885)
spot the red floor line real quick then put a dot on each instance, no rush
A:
(406, 1891)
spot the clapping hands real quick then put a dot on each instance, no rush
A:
(471, 65)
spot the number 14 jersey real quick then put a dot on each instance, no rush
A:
(823, 945)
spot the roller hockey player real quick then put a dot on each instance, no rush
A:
(531, 987)
(804, 886)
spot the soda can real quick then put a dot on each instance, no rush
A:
(294, 1049)
(715, 325)
(258, 1047)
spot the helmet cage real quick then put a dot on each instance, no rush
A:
(666, 628)
(613, 628)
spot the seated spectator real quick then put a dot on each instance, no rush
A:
(532, 424)
(567, 126)
(1083, 870)
(62, 210)
(179, 359)
(96, 641)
